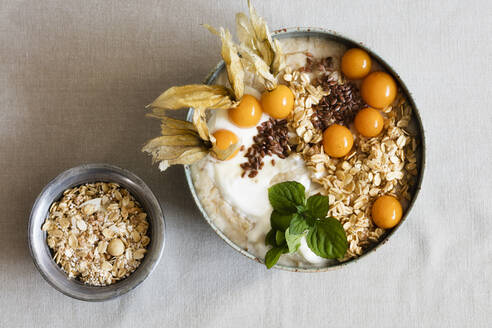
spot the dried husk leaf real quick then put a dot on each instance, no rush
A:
(188, 157)
(223, 154)
(187, 142)
(166, 153)
(263, 40)
(259, 66)
(174, 127)
(180, 143)
(234, 67)
(279, 59)
(254, 35)
(193, 95)
(172, 123)
(244, 31)
(165, 131)
(183, 142)
(176, 140)
(200, 123)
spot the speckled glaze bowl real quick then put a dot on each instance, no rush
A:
(40, 251)
(329, 35)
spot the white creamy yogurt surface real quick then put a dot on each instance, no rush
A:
(308, 254)
(249, 196)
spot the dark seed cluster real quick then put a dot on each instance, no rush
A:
(340, 106)
(344, 100)
(272, 139)
(321, 65)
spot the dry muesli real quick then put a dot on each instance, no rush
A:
(98, 233)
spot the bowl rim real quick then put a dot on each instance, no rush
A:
(149, 194)
(293, 32)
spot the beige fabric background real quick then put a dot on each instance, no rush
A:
(74, 79)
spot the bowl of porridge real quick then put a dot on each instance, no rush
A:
(383, 169)
(303, 149)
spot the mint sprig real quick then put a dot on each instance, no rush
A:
(317, 206)
(286, 196)
(280, 221)
(293, 241)
(327, 238)
(294, 217)
(298, 224)
(272, 256)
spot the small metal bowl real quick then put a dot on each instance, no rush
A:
(40, 251)
(333, 36)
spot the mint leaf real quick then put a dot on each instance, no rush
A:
(309, 220)
(270, 238)
(327, 239)
(301, 209)
(280, 238)
(272, 256)
(298, 225)
(317, 206)
(293, 241)
(286, 196)
(280, 221)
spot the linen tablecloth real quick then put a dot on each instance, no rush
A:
(74, 79)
